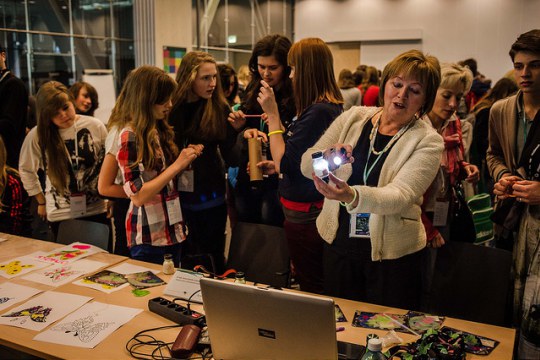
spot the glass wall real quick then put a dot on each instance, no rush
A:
(58, 39)
(228, 29)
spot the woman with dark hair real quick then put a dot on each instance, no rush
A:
(259, 202)
(318, 102)
(86, 98)
(229, 82)
(199, 115)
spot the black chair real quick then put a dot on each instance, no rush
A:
(472, 282)
(261, 252)
(88, 232)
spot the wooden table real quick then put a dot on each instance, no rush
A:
(114, 347)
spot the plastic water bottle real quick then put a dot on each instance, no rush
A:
(374, 350)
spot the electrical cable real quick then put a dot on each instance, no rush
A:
(141, 339)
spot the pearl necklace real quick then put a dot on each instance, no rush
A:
(394, 138)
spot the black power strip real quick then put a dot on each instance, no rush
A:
(176, 312)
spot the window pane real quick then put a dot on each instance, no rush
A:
(49, 15)
(123, 18)
(15, 45)
(12, 14)
(91, 17)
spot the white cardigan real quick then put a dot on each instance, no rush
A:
(395, 223)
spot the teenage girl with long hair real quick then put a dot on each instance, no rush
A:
(318, 102)
(69, 148)
(150, 163)
(199, 115)
(259, 203)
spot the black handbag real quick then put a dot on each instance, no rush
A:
(506, 217)
(461, 224)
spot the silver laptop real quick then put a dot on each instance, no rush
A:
(250, 322)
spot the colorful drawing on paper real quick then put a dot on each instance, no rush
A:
(14, 267)
(69, 253)
(21, 265)
(421, 322)
(382, 321)
(89, 325)
(43, 310)
(474, 344)
(35, 313)
(172, 57)
(14, 293)
(109, 278)
(144, 280)
(62, 274)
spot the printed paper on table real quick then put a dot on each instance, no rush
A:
(63, 274)
(10, 294)
(21, 265)
(89, 325)
(43, 310)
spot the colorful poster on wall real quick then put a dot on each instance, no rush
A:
(172, 56)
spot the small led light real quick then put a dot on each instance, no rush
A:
(337, 160)
(320, 165)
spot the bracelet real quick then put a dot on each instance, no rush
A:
(41, 204)
(275, 132)
(342, 203)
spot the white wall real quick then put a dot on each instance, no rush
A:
(172, 26)
(452, 30)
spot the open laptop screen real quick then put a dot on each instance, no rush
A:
(250, 322)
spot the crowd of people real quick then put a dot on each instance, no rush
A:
(172, 164)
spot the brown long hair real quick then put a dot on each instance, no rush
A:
(314, 79)
(277, 46)
(145, 87)
(76, 88)
(214, 117)
(50, 98)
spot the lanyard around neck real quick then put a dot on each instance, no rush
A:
(378, 154)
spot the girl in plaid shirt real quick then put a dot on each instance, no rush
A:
(149, 162)
(14, 203)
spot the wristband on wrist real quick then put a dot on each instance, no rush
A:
(275, 132)
(41, 204)
(342, 203)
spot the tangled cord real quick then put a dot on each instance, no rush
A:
(141, 339)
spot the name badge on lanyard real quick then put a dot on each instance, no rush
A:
(173, 208)
(359, 226)
(186, 181)
(77, 202)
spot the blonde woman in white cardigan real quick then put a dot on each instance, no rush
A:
(375, 238)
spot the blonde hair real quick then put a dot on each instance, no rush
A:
(50, 98)
(214, 115)
(454, 76)
(415, 64)
(314, 79)
(145, 87)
